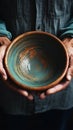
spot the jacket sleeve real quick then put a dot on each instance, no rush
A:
(67, 31)
(4, 31)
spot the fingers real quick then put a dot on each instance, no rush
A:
(4, 41)
(2, 53)
(26, 94)
(58, 88)
(55, 89)
(3, 72)
(20, 91)
(30, 97)
(70, 69)
(43, 95)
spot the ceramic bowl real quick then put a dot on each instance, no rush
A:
(36, 61)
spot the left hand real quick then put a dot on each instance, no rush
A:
(4, 43)
(62, 85)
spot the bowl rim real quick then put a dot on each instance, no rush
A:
(40, 88)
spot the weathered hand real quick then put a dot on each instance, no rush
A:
(4, 42)
(62, 85)
(24, 93)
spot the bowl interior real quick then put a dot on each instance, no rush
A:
(36, 60)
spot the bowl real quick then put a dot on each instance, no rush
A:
(36, 61)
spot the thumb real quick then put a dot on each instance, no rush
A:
(70, 69)
(68, 76)
(2, 71)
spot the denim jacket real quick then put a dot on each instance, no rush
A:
(54, 16)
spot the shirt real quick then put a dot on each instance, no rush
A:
(17, 17)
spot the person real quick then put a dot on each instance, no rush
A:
(53, 107)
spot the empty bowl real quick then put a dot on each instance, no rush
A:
(36, 60)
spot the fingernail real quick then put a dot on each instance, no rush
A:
(42, 96)
(25, 93)
(69, 77)
(5, 77)
(30, 97)
(50, 91)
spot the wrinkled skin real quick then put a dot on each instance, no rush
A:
(68, 42)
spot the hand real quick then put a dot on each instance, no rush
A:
(4, 43)
(12, 86)
(68, 42)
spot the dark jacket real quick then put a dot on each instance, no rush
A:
(19, 16)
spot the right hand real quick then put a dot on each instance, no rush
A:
(4, 43)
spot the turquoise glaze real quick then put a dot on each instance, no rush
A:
(35, 60)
